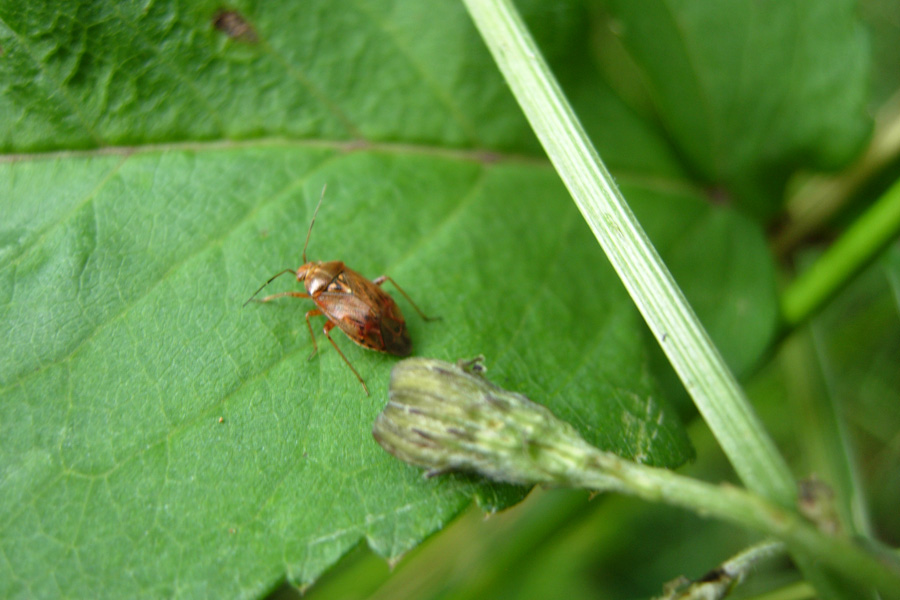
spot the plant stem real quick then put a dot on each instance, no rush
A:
(702, 371)
(861, 243)
(719, 582)
(748, 510)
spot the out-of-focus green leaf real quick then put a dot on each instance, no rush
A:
(858, 342)
(751, 91)
(882, 19)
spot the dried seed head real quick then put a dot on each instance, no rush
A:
(448, 417)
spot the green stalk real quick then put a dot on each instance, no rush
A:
(861, 243)
(702, 371)
(748, 510)
(719, 582)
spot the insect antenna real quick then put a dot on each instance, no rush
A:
(271, 279)
(313, 222)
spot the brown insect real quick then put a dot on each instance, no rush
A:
(234, 25)
(358, 307)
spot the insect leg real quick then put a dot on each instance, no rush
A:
(383, 278)
(313, 313)
(271, 279)
(328, 327)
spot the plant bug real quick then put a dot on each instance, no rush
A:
(358, 307)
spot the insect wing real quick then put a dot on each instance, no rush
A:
(367, 314)
(393, 328)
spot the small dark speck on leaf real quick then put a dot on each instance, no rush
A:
(234, 25)
(489, 157)
(718, 195)
(221, 419)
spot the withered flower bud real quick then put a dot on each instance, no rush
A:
(448, 417)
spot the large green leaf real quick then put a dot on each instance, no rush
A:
(158, 439)
(123, 308)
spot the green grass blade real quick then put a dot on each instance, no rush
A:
(673, 322)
